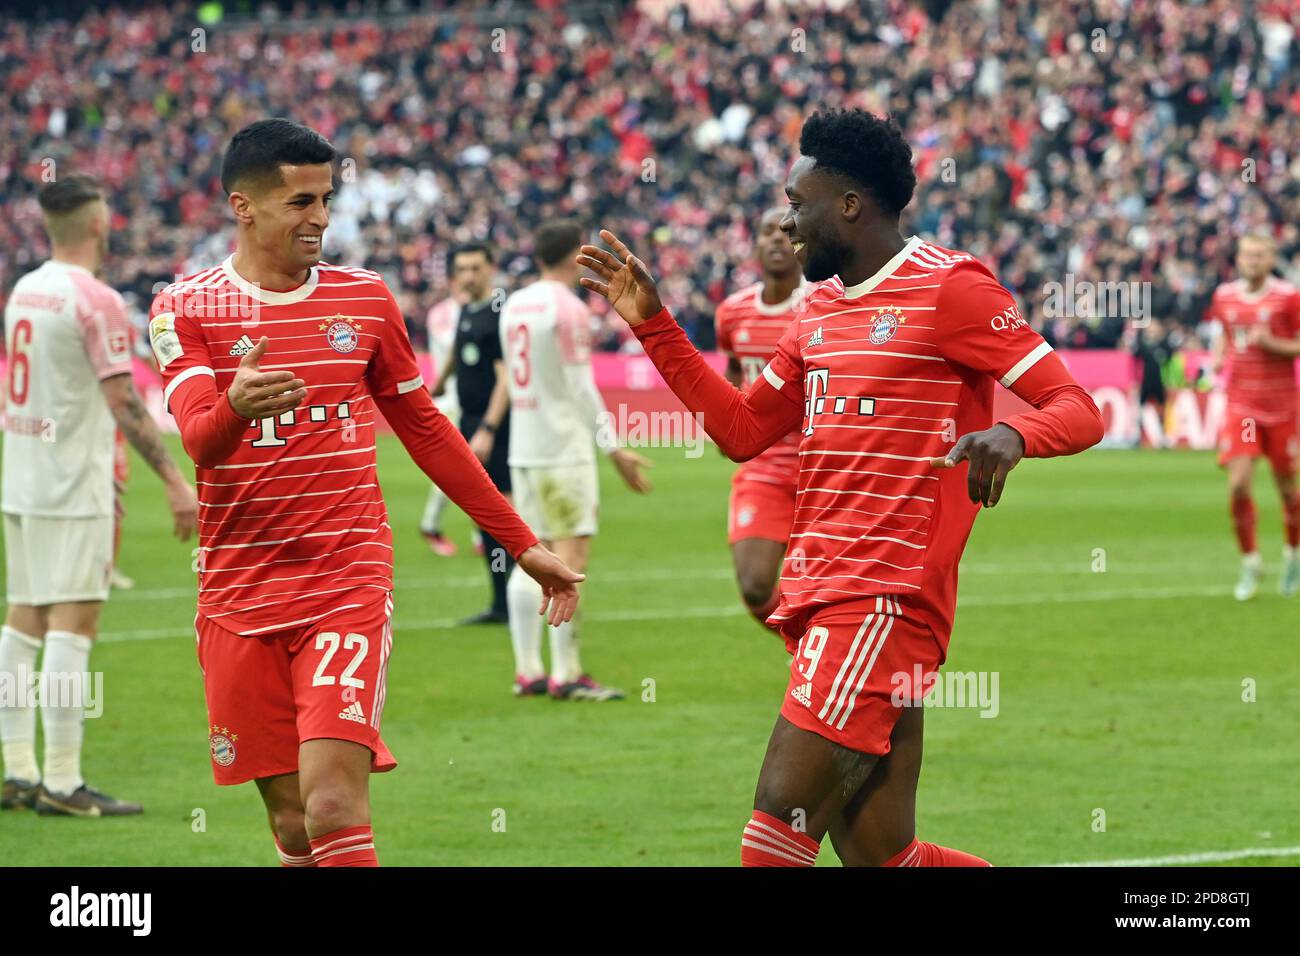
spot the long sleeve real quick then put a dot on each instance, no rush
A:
(1065, 420)
(985, 331)
(743, 423)
(440, 451)
(210, 429)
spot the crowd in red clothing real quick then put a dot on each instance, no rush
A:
(1106, 140)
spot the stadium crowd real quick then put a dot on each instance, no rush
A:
(1105, 140)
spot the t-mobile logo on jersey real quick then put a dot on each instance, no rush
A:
(815, 387)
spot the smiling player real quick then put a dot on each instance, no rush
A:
(895, 354)
(276, 367)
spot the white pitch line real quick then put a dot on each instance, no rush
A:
(666, 614)
(445, 623)
(1213, 856)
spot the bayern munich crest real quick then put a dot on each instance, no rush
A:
(222, 744)
(885, 323)
(342, 334)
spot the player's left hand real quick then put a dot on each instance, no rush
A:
(480, 443)
(628, 464)
(991, 453)
(559, 583)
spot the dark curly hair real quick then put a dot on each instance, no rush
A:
(868, 149)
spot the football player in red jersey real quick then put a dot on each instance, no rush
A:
(894, 355)
(750, 323)
(277, 366)
(1259, 338)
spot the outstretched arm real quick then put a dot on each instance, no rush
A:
(743, 423)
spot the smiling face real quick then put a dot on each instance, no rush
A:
(815, 220)
(287, 221)
(775, 254)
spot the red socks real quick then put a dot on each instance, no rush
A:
(349, 846)
(917, 853)
(1243, 523)
(771, 842)
(1291, 512)
(292, 857)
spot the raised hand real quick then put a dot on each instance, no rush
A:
(624, 279)
(992, 454)
(255, 394)
(559, 583)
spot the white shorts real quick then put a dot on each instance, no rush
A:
(557, 502)
(56, 560)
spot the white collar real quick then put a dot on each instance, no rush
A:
(885, 271)
(266, 296)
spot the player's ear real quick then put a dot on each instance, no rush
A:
(241, 204)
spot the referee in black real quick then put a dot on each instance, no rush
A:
(479, 367)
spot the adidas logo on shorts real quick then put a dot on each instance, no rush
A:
(243, 346)
(803, 694)
(353, 713)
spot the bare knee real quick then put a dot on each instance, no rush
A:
(755, 588)
(332, 807)
(290, 828)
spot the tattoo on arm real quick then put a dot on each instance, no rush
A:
(139, 428)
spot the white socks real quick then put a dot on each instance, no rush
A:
(565, 665)
(65, 654)
(523, 598)
(17, 720)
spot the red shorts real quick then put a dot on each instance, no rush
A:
(268, 693)
(759, 509)
(1243, 437)
(857, 664)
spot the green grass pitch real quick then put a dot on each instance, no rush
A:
(1121, 690)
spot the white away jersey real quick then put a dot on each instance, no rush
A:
(66, 331)
(546, 341)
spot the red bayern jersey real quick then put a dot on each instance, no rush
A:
(749, 330)
(881, 377)
(1260, 384)
(292, 525)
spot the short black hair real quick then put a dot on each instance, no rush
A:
(868, 149)
(69, 194)
(556, 240)
(257, 152)
(464, 247)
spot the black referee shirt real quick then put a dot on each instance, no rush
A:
(478, 346)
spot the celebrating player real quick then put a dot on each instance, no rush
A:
(557, 414)
(441, 322)
(69, 391)
(1259, 322)
(893, 357)
(760, 511)
(276, 366)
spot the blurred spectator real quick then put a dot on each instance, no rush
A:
(1108, 140)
